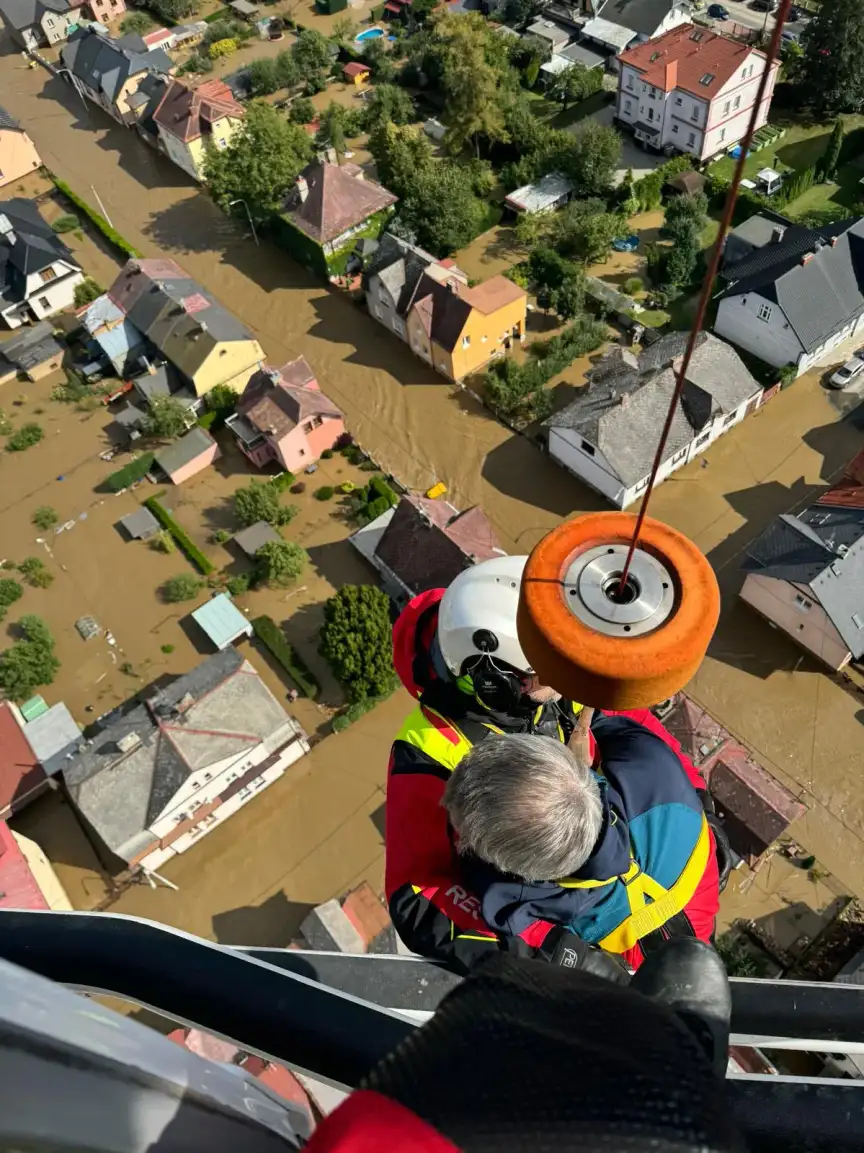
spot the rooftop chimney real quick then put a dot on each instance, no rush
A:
(302, 188)
(671, 80)
(807, 257)
(777, 233)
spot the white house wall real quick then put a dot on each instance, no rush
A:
(772, 340)
(200, 789)
(179, 153)
(381, 305)
(565, 447)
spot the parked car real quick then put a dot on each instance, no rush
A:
(794, 14)
(717, 12)
(765, 5)
(844, 375)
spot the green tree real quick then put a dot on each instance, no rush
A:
(569, 298)
(261, 162)
(312, 53)
(388, 104)
(30, 662)
(260, 501)
(379, 59)
(590, 157)
(680, 264)
(831, 75)
(136, 23)
(286, 69)
(356, 641)
(302, 111)
(686, 214)
(173, 10)
(521, 12)
(344, 29)
(279, 562)
(166, 418)
(36, 573)
(469, 81)
(10, 592)
(263, 76)
(44, 517)
(585, 230)
(574, 84)
(183, 587)
(332, 129)
(547, 268)
(222, 398)
(828, 164)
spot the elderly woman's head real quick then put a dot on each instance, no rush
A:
(526, 805)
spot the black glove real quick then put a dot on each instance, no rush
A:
(723, 848)
(569, 951)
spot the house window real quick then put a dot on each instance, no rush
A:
(679, 455)
(643, 484)
(722, 134)
(302, 452)
(376, 311)
(765, 312)
(630, 81)
(728, 420)
(802, 604)
(223, 351)
(586, 447)
(244, 794)
(694, 114)
(737, 103)
(44, 302)
(678, 101)
(707, 79)
(701, 440)
(691, 139)
(627, 107)
(726, 107)
(674, 128)
(650, 113)
(858, 621)
(47, 275)
(466, 341)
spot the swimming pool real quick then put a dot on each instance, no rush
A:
(369, 34)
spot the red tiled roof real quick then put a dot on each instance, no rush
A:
(355, 68)
(691, 59)
(188, 112)
(275, 400)
(849, 491)
(19, 771)
(337, 198)
(18, 888)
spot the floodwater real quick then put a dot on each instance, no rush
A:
(804, 727)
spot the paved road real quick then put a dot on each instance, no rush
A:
(803, 726)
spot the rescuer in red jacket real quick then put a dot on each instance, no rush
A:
(458, 653)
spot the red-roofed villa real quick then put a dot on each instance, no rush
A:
(691, 90)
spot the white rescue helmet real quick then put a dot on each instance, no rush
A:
(477, 614)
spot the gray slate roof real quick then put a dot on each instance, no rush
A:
(7, 120)
(35, 246)
(820, 295)
(623, 408)
(255, 536)
(643, 16)
(32, 347)
(581, 54)
(185, 450)
(399, 266)
(216, 711)
(105, 65)
(822, 550)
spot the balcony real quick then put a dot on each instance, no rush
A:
(332, 1016)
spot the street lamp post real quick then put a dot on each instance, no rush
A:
(74, 82)
(249, 214)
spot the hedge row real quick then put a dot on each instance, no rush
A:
(270, 635)
(186, 545)
(135, 470)
(355, 712)
(110, 234)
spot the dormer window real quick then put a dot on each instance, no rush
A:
(707, 79)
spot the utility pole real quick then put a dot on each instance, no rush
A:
(249, 214)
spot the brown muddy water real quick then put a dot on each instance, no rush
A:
(803, 726)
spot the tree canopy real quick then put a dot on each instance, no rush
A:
(469, 79)
(356, 641)
(575, 83)
(831, 75)
(438, 204)
(259, 500)
(166, 418)
(261, 162)
(183, 587)
(312, 53)
(278, 562)
(30, 662)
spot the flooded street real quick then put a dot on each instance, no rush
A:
(314, 833)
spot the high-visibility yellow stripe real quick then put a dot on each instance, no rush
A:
(472, 937)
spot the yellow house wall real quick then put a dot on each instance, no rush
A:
(241, 359)
(417, 338)
(18, 156)
(494, 326)
(223, 130)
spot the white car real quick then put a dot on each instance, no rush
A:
(844, 376)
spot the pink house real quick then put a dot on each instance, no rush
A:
(284, 417)
(106, 10)
(194, 451)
